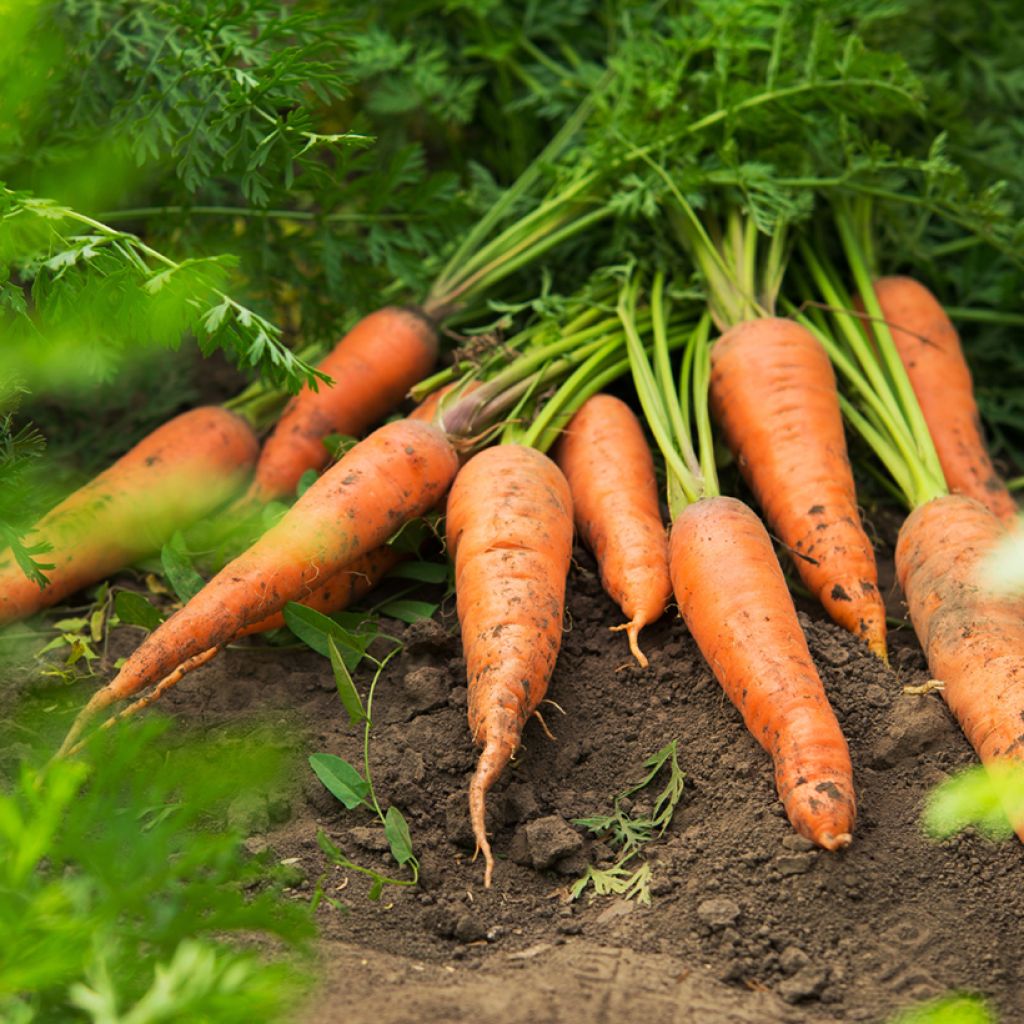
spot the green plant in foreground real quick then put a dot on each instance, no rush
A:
(948, 1010)
(345, 648)
(631, 833)
(116, 887)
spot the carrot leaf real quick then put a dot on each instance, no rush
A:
(134, 610)
(178, 568)
(399, 840)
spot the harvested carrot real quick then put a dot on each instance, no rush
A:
(509, 530)
(774, 393)
(345, 587)
(183, 470)
(973, 639)
(608, 465)
(400, 471)
(373, 367)
(929, 348)
(720, 557)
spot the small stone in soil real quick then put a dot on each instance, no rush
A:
(368, 838)
(469, 928)
(424, 688)
(794, 863)
(550, 839)
(808, 983)
(718, 912)
(792, 959)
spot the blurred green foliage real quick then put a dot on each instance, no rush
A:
(118, 881)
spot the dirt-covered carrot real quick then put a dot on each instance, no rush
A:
(929, 348)
(774, 394)
(372, 367)
(397, 473)
(509, 529)
(974, 639)
(732, 594)
(608, 464)
(734, 599)
(340, 589)
(183, 470)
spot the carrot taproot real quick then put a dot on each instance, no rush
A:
(973, 639)
(929, 347)
(183, 470)
(372, 367)
(398, 472)
(774, 394)
(341, 589)
(608, 465)
(734, 599)
(509, 530)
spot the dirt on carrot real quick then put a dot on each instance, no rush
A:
(747, 923)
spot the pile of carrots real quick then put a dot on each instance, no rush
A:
(725, 367)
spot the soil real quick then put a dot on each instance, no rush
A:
(746, 923)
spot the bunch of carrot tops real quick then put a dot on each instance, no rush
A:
(716, 215)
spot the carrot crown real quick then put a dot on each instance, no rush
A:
(881, 405)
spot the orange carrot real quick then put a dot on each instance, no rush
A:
(373, 367)
(180, 472)
(734, 598)
(973, 639)
(929, 348)
(608, 464)
(774, 393)
(343, 588)
(509, 529)
(400, 471)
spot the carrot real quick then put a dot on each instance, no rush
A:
(373, 367)
(774, 394)
(734, 599)
(345, 587)
(974, 640)
(929, 348)
(509, 529)
(732, 594)
(180, 472)
(608, 465)
(400, 471)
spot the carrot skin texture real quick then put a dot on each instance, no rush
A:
(373, 367)
(183, 470)
(929, 348)
(734, 599)
(400, 471)
(774, 393)
(339, 590)
(973, 639)
(509, 530)
(608, 464)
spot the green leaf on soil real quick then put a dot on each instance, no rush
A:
(948, 1010)
(397, 830)
(985, 797)
(340, 778)
(305, 482)
(421, 572)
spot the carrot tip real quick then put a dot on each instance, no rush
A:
(831, 842)
(632, 629)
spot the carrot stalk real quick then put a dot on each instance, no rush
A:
(182, 471)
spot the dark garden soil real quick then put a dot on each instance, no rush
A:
(747, 922)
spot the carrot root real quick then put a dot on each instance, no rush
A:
(632, 630)
(734, 599)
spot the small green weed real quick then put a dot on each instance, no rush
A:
(631, 833)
